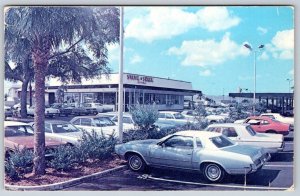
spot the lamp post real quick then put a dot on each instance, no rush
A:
(289, 80)
(254, 64)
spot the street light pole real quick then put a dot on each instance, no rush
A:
(254, 64)
(120, 92)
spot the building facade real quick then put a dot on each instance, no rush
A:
(167, 94)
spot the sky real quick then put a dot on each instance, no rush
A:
(204, 45)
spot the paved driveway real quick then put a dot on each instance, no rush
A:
(276, 174)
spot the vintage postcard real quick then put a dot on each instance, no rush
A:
(149, 98)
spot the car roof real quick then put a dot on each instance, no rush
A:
(192, 133)
(56, 121)
(170, 112)
(228, 124)
(259, 117)
(14, 123)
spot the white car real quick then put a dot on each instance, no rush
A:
(276, 116)
(174, 118)
(128, 123)
(216, 118)
(190, 114)
(50, 112)
(244, 134)
(63, 131)
(97, 123)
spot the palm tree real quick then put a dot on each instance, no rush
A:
(55, 32)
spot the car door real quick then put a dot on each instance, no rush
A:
(176, 151)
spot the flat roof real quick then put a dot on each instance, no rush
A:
(262, 95)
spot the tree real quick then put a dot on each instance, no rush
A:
(17, 52)
(57, 34)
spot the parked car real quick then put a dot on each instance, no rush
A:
(265, 124)
(244, 134)
(20, 135)
(190, 114)
(97, 123)
(63, 131)
(279, 117)
(128, 122)
(64, 109)
(215, 118)
(127, 119)
(49, 112)
(84, 109)
(173, 118)
(8, 111)
(210, 153)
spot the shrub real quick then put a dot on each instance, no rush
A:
(18, 163)
(94, 146)
(64, 158)
(144, 116)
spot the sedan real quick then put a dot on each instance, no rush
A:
(63, 131)
(49, 112)
(97, 123)
(212, 154)
(244, 134)
(265, 124)
(20, 135)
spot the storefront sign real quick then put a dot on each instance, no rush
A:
(140, 79)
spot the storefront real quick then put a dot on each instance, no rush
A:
(167, 94)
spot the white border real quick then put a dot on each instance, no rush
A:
(160, 2)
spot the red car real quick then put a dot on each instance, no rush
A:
(265, 124)
(20, 135)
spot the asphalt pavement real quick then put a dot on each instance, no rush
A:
(277, 174)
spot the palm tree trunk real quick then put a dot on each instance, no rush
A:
(24, 98)
(39, 118)
(40, 60)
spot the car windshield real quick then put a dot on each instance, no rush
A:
(64, 128)
(221, 141)
(16, 131)
(250, 130)
(179, 116)
(103, 122)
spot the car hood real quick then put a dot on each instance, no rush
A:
(28, 141)
(252, 151)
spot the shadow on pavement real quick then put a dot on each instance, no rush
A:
(282, 157)
(261, 178)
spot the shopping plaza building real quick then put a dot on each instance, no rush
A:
(167, 94)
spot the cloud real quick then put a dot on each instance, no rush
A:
(167, 22)
(291, 72)
(264, 56)
(262, 30)
(282, 45)
(205, 73)
(113, 53)
(136, 59)
(208, 52)
(216, 18)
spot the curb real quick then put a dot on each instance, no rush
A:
(62, 185)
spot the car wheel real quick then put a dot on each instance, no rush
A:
(136, 163)
(271, 131)
(213, 172)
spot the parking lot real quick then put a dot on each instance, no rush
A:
(277, 174)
